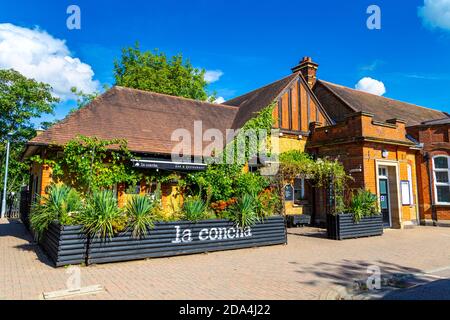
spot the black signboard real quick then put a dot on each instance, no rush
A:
(288, 192)
(168, 165)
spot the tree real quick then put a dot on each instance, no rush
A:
(21, 100)
(153, 71)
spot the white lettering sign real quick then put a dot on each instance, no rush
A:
(212, 234)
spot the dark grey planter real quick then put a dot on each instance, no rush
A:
(185, 237)
(342, 226)
(69, 245)
(64, 245)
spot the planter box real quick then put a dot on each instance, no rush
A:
(64, 245)
(342, 226)
(185, 237)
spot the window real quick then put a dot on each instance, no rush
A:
(299, 189)
(441, 179)
(411, 195)
(133, 188)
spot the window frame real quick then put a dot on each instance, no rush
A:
(302, 190)
(442, 184)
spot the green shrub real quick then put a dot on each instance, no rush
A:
(141, 213)
(245, 211)
(102, 216)
(363, 204)
(269, 203)
(194, 209)
(62, 204)
(251, 183)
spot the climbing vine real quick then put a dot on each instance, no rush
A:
(321, 172)
(228, 179)
(90, 163)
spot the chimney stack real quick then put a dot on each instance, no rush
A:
(308, 68)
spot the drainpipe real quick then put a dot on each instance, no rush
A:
(430, 188)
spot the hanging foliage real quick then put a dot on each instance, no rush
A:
(90, 163)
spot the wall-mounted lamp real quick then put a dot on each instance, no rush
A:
(356, 170)
(384, 153)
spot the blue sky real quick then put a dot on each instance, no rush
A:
(253, 42)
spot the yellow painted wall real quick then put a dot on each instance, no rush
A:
(288, 143)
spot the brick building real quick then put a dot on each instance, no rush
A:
(397, 150)
(433, 170)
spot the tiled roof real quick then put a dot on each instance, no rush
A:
(438, 121)
(145, 119)
(251, 103)
(382, 108)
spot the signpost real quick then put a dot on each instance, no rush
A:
(5, 183)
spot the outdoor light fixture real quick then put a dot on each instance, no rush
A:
(384, 153)
(5, 183)
(356, 170)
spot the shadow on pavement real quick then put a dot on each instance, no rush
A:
(348, 272)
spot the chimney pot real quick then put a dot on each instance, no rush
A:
(308, 68)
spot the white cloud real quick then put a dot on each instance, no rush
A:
(212, 75)
(38, 55)
(219, 100)
(436, 14)
(371, 86)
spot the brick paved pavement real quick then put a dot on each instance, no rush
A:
(306, 268)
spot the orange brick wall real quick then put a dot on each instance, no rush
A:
(436, 141)
(358, 143)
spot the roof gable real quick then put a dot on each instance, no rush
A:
(252, 102)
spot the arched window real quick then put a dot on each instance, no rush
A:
(441, 173)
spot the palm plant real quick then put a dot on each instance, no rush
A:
(102, 217)
(140, 210)
(363, 204)
(245, 211)
(61, 204)
(194, 209)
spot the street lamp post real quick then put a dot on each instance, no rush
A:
(5, 184)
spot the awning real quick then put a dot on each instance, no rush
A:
(168, 165)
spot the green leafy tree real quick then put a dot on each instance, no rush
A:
(83, 99)
(154, 71)
(21, 100)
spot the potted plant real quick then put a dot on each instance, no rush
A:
(360, 219)
(94, 230)
(54, 221)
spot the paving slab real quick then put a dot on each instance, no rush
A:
(308, 267)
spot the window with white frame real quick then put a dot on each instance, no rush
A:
(441, 168)
(299, 189)
(410, 179)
